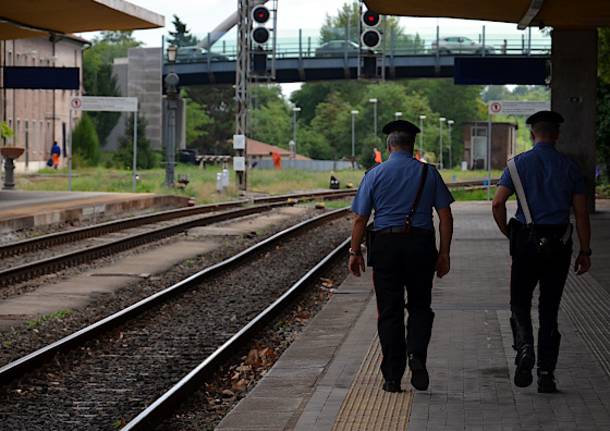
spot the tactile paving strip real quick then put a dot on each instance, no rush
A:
(367, 407)
(587, 304)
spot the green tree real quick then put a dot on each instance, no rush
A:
(312, 144)
(85, 142)
(197, 121)
(218, 102)
(603, 100)
(181, 36)
(271, 123)
(98, 79)
(147, 158)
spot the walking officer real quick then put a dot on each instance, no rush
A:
(402, 251)
(547, 184)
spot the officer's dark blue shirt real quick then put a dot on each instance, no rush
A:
(390, 188)
(550, 180)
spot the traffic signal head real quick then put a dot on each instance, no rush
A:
(260, 14)
(370, 39)
(370, 18)
(260, 35)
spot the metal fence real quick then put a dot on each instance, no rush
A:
(307, 165)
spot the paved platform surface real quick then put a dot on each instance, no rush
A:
(23, 210)
(470, 360)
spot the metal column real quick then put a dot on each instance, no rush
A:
(242, 81)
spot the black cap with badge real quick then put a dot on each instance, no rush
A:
(400, 126)
(544, 116)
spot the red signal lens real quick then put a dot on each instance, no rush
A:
(370, 18)
(260, 14)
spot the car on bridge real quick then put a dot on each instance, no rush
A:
(195, 54)
(460, 45)
(338, 48)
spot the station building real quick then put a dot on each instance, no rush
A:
(39, 117)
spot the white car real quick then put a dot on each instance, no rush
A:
(460, 45)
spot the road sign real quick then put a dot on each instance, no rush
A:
(115, 104)
(514, 107)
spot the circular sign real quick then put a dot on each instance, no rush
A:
(76, 103)
(495, 107)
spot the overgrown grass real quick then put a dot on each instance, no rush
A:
(57, 315)
(202, 182)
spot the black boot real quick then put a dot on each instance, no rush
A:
(525, 363)
(525, 359)
(391, 386)
(546, 382)
(419, 374)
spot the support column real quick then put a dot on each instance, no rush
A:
(573, 95)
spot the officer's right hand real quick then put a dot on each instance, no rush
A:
(356, 265)
(582, 264)
(443, 264)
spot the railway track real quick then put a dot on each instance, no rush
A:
(30, 270)
(169, 332)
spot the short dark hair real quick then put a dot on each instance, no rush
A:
(401, 139)
(545, 128)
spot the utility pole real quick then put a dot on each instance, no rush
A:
(354, 113)
(440, 133)
(171, 85)
(450, 125)
(374, 102)
(295, 110)
(242, 77)
(421, 135)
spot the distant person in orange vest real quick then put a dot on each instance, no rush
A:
(55, 155)
(277, 160)
(378, 158)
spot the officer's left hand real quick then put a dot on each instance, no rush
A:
(443, 264)
(582, 264)
(356, 265)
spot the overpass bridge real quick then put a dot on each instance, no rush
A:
(502, 59)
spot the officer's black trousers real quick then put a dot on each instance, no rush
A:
(550, 272)
(401, 261)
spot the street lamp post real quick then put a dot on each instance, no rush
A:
(354, 113)
(171, 84)
(374, 102)
(397, 115)
(450, 126)
(294, 127)
(421, 135)
(440, 133)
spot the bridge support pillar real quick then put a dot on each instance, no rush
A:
(573, 95)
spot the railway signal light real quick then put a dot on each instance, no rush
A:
(260, 35)
(260, 14)
(370, 37)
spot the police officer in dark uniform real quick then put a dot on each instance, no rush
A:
(402, 251)
(547, 184)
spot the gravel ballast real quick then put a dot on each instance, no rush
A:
(108, 381)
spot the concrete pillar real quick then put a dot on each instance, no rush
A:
(573, 95)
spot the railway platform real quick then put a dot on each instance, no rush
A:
(328, 379)
(24, 210)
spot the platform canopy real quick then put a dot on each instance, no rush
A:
(554, 13)
(33, 18)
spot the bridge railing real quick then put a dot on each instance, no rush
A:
(343, 43)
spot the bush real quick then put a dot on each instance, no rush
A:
(85, 142)
(147, 158)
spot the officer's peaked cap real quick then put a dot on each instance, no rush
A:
(544, 116)
(400, 126)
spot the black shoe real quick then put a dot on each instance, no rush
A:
(546, 382)
(525, 363)
(419, 374)
(392, 386)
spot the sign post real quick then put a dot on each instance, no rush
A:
(108, 104)
(509, 107)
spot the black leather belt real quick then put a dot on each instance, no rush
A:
(400, 230)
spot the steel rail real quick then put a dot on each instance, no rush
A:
(163, 406)
(30, 270)
(72, 235)
(29, 362)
